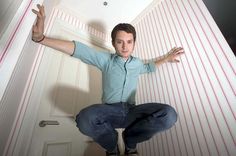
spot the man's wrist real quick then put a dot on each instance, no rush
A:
(166, 57)
(38, 41)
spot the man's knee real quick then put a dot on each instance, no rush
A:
(81, 120)
(84, 119)
(166, 116)
(171, 116)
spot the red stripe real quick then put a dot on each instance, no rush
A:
(158, 49)
(18, 122)
(193, 76)
(187, 61)
(222, 49)
(144, 41)
(198, 71)
(179, 74)
(159, 54)
(164, 38)
(153, 39)
(212, 88)
(173, 94)
(139, 90)
(150, 93)
(148, 50)
(157, 147)
(214, 69)
(142, 82)
(4, 53)
(1, 59)
(188, 83)
(146, 89)
(140, 43)
(141, 79)
(144, 76)
(152, 56)
(142, 95)
(165, 100)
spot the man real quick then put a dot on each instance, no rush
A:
(120, 73)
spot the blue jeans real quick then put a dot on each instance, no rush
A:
(141, 122)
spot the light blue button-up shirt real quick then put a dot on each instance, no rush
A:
(119, 76)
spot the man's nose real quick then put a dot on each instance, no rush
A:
(124, 45)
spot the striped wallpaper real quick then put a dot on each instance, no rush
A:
(80, 25)
(202, 87)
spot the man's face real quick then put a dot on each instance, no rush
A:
(124, 44)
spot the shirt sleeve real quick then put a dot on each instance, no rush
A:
(91, 56)
(148, 67)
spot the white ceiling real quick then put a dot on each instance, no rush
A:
(106, 17)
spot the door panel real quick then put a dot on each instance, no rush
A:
(69, 86)
(57, 148)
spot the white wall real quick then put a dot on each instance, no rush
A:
(202, 88)
(8, 9)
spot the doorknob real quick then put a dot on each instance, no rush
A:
(43, 123)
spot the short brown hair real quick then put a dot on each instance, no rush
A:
(123, 27)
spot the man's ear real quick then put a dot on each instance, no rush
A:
(113, 43)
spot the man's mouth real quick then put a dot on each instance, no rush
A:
(125, 51)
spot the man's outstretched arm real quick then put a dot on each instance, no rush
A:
(39, 37)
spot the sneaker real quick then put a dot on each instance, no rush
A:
(131, 152)
(115, 152)
(112, 154)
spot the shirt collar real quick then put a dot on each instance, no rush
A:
(122, 60)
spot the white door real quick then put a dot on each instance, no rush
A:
(69, 85)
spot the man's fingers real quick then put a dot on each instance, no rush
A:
(173, 49)
(174, 53)
(35, 11)
(176, 49)
(41, 10)
(179, 48)
(39, 13)
(176, 61)
(38, 5)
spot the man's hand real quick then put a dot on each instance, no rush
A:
(64, 46)
(173, 54)
(38, 28)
